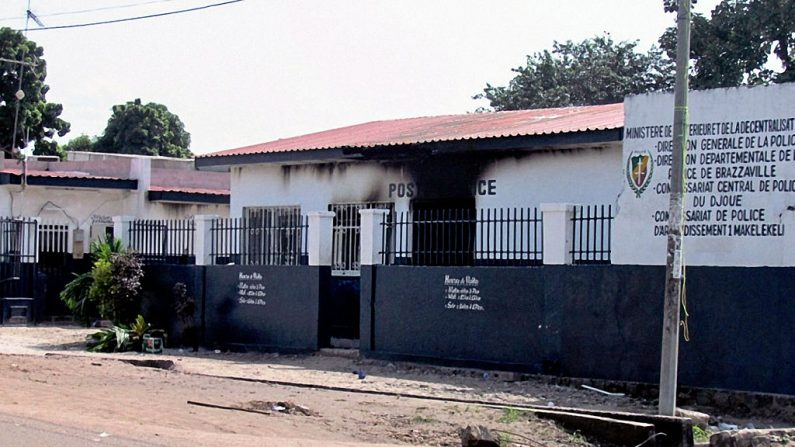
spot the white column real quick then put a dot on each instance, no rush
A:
(371, 235)
(141, 170)
(558, 229)
(121, 229)
(319, 237)
(203, 238)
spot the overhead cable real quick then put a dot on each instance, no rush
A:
(130, 19)
(84, 11)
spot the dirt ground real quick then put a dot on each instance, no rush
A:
(306, 400)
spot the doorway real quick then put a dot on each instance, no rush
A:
(339, 313)
(443, 232)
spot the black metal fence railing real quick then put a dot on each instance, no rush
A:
(254, 241)
(17, 256)
(464, 237)
(591, 238)
(18, 240)
(163, 241)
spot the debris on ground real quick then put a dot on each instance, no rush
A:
(478, 436)
(606, 393)
(700, 419)
(753, 438)
(280, 407)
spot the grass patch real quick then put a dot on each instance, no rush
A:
(511, 415)
(504, 439)
(420, 419)
(576, 438)
(700, 435)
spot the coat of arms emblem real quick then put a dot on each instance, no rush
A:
(640, 166)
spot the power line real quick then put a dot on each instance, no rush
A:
(104, 8)
(130, 19)
(84, 11)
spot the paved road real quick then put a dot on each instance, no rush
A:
(16, 431)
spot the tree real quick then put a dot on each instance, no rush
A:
(52, 148)
(734, 46)
(37, 120)
(82, 143)
(144, 129)
(594, 71)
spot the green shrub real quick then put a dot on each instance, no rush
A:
(76, 297)
(112, 287)
(117, 286)
(120, 338)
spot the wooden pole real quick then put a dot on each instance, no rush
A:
(674, 267)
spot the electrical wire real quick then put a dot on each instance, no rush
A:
(84, 11)
(104, 8)
(130, 19)
(684, 322)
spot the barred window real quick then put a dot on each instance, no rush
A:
(273, 235)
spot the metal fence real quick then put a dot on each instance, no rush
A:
(53, 237)
(463, 237)
(591, 238)
(163, 241)
(255, 241)
(346, 237)
(18, 240)
(17, 250)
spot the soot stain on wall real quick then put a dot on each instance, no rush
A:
(434, 177)
(449, 176)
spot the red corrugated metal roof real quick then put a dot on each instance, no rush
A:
(83, 175)
(448, 128)
(184, 189)
(56, 174)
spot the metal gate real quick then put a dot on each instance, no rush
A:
(340, 314)
(346, 251)
(56, 265)
(17, 268)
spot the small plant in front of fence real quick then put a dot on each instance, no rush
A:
(111, 289)
(185, 307)
(76, 297)
(117, 286)
(120, 337)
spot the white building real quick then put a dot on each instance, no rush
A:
(84, 192)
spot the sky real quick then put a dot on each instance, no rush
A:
(260, 70)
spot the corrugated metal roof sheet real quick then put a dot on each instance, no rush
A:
(185, 189)
(56, 174)
(448, 128)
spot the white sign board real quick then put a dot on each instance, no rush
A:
(739, 178)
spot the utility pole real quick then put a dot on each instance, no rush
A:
(674, 268)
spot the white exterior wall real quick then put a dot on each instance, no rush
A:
(92, 210)
(578, 176)
(751, 225)
(313, 187)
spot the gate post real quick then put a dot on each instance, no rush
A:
(558, 228)
(371, 239)
(372, 235)
(203, 238)
(121, 229)
(319, 237)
